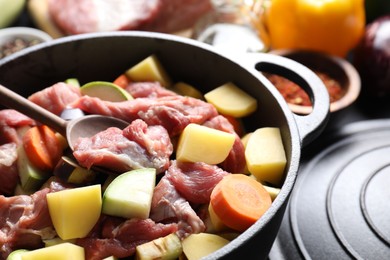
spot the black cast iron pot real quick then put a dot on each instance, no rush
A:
(104, 56)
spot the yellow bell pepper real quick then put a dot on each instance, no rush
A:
(330, 26)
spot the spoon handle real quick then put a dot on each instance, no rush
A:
(15, 101)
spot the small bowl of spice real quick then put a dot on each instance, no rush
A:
(13, 39)
(338, 75)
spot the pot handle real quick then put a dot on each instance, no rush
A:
(311, 125)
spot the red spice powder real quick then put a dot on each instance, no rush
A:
(294, 94)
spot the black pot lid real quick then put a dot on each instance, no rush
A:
(340, 206)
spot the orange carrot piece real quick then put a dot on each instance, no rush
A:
(122, 81)
(52, 143)
(237, 124)
(42, 147)
(239, 201)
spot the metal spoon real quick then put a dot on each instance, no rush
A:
(85, 126)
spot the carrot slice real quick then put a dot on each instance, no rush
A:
(239, 201)
(122, 81)
(42, 147)
(237, 124)
(52, 144)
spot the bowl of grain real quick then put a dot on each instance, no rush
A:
(14, 39)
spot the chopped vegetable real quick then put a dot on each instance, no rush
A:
(237, 124)
(31, 178)
(62, 141)
(73, 81)
(199, 245)
(185, 89)
(64, 251)
(229, 99)
(42, 147)
(105, 91)
(239, 201)
(245, 138)
(122, 81)
(68, 170)
(74, 212)
(17, 254)
(111, 258)
(216, 222)
(273, 192)
(149, 69)
(265, 155)
(163, 248)
(199, 143)
(130, 194)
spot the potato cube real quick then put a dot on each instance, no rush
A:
(64, 251)
(216, 222)
(196, 246)
(230, 100)
(245, 139)
(272, 191)
(265, 155)
(74, 212)
(199, 143)
(149, 69)
(185, 89)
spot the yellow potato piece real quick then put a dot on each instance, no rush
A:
(185, 89)
(273, 192)
(199, 245)
(199, 143)
(149, 69)
(265, 155)
(216, 222)
(111, 258)
(245, 139)
(64, 251)
(74, 212)
(230, 100)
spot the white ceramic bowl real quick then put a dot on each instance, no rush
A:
(27, 34)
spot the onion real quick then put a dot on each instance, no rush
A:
(372, 58)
